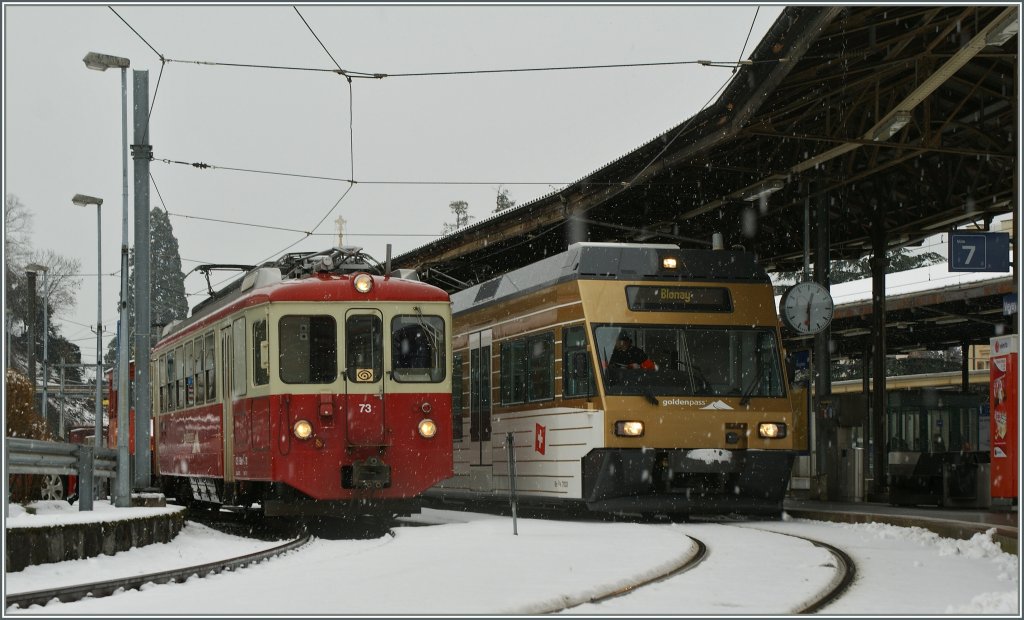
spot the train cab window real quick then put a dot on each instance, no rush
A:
(695, 361)
(577, 374)
(364, 348)
(417, 348)
(260, 353)
(210, 368)
(197, 369)
(308, 346)
(457, 396)
(190, 375)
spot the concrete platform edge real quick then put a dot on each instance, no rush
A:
(1004, 537)
(76, 541)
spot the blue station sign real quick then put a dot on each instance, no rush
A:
(979, 251)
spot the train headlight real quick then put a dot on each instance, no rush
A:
(771, 430)
(669, 262)
(427, 428)
(629, 428)
(302, 429)
(363, 282)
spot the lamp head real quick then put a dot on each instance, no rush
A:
(36, 268)
(83, 201)
(102, 62)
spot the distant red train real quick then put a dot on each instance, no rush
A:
(313, 385)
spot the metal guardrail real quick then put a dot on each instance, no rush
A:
(32, 456)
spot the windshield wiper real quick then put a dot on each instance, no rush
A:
(649, 394)
(753, 386)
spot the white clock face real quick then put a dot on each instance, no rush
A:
(806, 308)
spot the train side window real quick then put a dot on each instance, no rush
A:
(260, 350)
(364, 345)
(457, 396)
(211, 369)
(542, 367)
(417, 348)
(190, 372)
(513, 374)
(577, 374)
(308, 349)
(179, 378)
(161, 380)
(197, 369)
(238, 379)
(169, 376)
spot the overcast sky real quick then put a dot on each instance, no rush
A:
(466, 135)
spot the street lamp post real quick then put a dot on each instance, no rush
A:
(102, 62)
(43, 269)
(83, 201)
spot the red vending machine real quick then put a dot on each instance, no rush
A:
(1004, 382)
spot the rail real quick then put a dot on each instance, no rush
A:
(32, 456)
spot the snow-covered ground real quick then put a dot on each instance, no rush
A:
(468, 563)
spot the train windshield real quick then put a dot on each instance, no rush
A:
(667, 360)
(417, 348)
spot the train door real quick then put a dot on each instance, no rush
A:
(480, 457)
(230, 357)
(364, 378)
(238, 403)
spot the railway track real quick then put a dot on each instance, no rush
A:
(100, 589)
(633, 598)
(844, 572)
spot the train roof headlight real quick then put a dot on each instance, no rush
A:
(302, 429)
(427, 428)
(363, 282)
(629, 428)
(771, 430)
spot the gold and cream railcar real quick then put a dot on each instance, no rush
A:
(708, 429)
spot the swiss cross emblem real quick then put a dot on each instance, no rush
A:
(539, 438)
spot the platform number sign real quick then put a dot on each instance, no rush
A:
(979, 251)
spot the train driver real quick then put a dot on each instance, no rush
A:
(628, 355)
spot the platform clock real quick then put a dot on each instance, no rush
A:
(806, 308)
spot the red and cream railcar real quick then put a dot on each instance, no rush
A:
(312, 386)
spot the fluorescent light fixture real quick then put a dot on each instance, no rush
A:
(102, 62)
(1004, 31)
(948, 320)
(860, 331)
(893, 124)
(762, 189)
(83, 201)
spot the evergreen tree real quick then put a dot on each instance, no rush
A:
(167, 282)
(850, 270)
(460, 208)
(502, 201)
